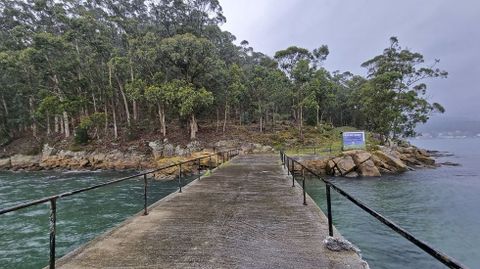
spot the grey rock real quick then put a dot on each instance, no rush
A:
(157, 148)
(47, 151)
(168, 150)
(194, 146)
(5, 163)
(339, 244)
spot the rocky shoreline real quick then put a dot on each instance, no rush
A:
(160, 153)
(355, 163)
(384, 160)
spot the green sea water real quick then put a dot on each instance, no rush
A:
(440, 206)
(24, 235)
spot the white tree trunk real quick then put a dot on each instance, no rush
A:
(56, 124)
(66, 123)
(115, 129)
(161, 116)
(193, 127)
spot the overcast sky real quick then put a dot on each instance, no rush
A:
(357, 30)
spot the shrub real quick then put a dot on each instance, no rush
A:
(81, 136)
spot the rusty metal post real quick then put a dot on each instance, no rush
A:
(145, 210)
(53, 230)
(329, 210)
(180, 178)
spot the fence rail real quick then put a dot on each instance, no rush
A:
(296, 168)
(224, 155)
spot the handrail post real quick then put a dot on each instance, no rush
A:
(293, 173)
(210, 162)
(303, 187)
(53, 223)
(180, 178)
(286, 165)
(329, 211)
(145, 210)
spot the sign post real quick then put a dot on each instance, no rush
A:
(353, 140)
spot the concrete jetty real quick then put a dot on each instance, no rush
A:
(245, 214)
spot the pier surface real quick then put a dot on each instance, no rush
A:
(245, 215)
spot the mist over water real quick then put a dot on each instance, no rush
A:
(440, 206)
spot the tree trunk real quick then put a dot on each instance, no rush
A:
(218, 120)
(124, 97)
(225, 113)
(240, 117)
(48, 124)
(318, 115)
(261, 123)
(114, 114)
(106, 117)
(135, 110)
(62, 126)
(274, 111)
(57, 129)
(5, 106)
(32, 115)
(161, 115)
(300, 119)
(94, 102)
(193, 127)
(66, 123)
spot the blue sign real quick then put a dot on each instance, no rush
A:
(353, 140)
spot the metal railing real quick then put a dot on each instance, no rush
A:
(224, 155)
(295, 168)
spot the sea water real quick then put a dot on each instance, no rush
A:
(440, 206)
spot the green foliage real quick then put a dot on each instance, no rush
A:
(394, 98)
(190, 100)
(81, 136)
(146, 61)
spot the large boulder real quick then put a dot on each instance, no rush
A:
(344, 164)
(368, 169)
(157, 149)
(194, 146)
(317, 166)
(359, 156)
(168, 150)
(389, 162)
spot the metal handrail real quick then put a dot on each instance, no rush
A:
(225, 155)
(289, 164)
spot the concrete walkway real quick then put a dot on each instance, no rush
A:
(245, 215)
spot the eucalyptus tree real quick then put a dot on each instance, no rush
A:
(299, 64)
(191, 100)
(163, 95)
(397, 87)
(192, 60)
